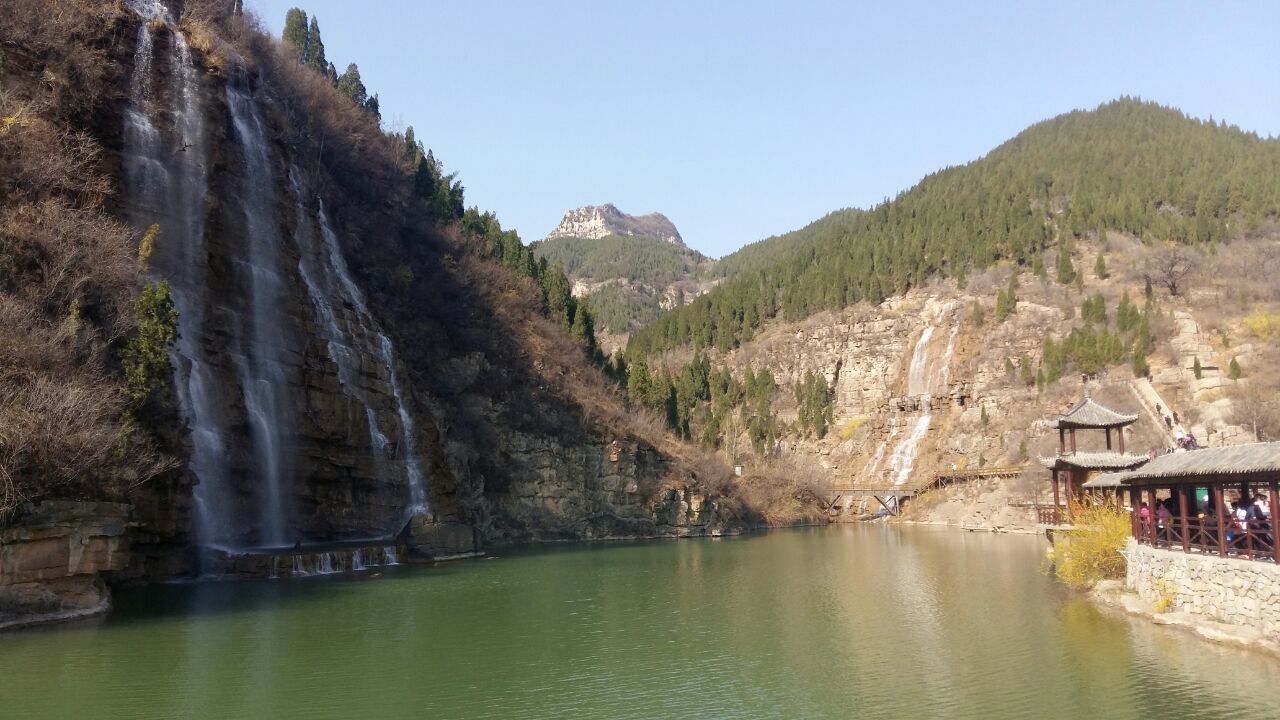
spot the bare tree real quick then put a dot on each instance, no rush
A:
(1257, 408)
(1170, 266)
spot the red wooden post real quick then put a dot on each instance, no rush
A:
(1062, 441)
(1108, 438)
(1133, 512)
(1073, 442)
(1056, 505)
(1151, 517)
(1070, 491)
(1275, 508)
(1182, 519)
(1120, 432)
(1222, 523)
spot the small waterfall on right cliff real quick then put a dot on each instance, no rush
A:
(350, 332)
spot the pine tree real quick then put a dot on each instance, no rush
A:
(1196, 368)
(333, 74)
(295, 32)
(351, 86)
(1065, 269)
(315, 49)
(372, 106)
(1100, 268)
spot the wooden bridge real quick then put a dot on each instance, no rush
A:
(890, 497)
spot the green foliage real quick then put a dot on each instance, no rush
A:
(1007, 300)
(1100, 268)
(147, 246)
(637, 259)
(1065, 269)
(976, 314)
(146, 354)
(1127, 166)
(350, 85)
(984, 418)
(1196, 369)
(813, 399)
(1094, 309)
(315, 48)
(295, 32)
(1234, 371)
(1027, 370)
(1009, 369)
(1038, 268)
(619, 308)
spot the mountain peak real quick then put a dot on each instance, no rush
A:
(597, 221)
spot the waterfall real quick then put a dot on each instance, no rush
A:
(383, 349)
(925, 374)
(262, 376)
(166, 183)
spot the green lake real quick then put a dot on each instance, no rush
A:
(866, 621)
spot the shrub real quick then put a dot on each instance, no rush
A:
(1234, 371)
(1092, 552)
(146, 356)
(1263, 325)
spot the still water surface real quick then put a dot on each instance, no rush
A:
(844, 622)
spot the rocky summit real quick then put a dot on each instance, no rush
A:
(598, 221)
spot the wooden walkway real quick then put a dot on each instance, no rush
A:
(890, 497)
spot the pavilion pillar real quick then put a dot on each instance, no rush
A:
(1182, 518)
(1073, 440)
(1108, 438)
(1133, 512)
(1070, 490)
(1056, 501)
(1062, 441)
(1222, 521)
(1151, 516)
(1120, 432)
(1274, 499)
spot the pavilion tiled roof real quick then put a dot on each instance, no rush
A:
(1252, 459)
(1105, 460)
(1088, 413)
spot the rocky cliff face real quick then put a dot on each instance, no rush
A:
(598, 221)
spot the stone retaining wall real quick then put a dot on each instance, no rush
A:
(1226, 590)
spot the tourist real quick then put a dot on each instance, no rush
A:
(1162, 520)
(1264, 507)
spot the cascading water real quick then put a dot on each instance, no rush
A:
(383, 349)
(166, 183)
(925, 374)
(262, 376)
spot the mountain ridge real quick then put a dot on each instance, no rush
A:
(593, 222)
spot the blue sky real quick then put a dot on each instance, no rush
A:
(741, 120)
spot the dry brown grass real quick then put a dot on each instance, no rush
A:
(65, 423)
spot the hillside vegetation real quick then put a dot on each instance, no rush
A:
(1129, 166)
(630, 278)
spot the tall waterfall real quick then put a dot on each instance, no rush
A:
(166, 182)
(349, 333)
(262, 376)
(236, 358)
(925, 374)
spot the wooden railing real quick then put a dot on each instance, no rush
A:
(1250, 540)
(1049, 516)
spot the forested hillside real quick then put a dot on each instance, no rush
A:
(627, 279)
(1129, 165)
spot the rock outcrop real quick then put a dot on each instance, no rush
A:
(54, 558)
(597, 221)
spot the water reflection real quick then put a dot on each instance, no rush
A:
(866, 621)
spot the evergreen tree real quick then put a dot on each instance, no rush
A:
(146, 355)
(1196, 368)
(1234, 370)
(315, 49)
(1066, 269)
(372, 106)
(295, 33)
(1100, 268)
(1037, 267)
(333, 74)
(351, 86)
